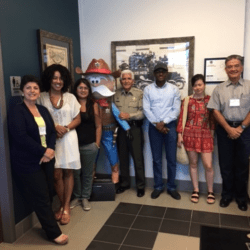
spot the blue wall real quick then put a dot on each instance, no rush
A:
(19, 21)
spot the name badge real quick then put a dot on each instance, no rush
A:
(234, 103)
(107, 111)
(42, 130)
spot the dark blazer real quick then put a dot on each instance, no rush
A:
(25, 143)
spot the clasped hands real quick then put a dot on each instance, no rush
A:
(48, 155)
(160, 126)
(234, 133)
(60, 131)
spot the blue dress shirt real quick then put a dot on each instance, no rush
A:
(161, 103)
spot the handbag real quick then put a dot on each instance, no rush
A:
(181, 153)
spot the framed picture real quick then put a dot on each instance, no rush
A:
(140, 56)
(57, 49)
(214, 70)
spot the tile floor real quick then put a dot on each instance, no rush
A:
(132, 223)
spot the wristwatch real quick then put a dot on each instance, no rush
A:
(67, 128)
(243, 126)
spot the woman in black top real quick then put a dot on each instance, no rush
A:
(89, 137)
(32, 148)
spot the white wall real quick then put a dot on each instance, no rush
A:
(218, 27)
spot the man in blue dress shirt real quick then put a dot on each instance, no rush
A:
(161, 105)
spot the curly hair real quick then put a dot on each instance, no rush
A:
(29, 78)
(196, 78)
(90, 99)
(48, 75)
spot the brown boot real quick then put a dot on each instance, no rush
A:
(115, 173)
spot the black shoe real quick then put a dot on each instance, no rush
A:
(242, 205)
(174, 194)
(156, 193)
(121, 189)
(140, 192)
(225, 202)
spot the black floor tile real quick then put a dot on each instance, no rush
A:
(221, 238)
(139, 238)
(205, 218)
(111, 234)
(178, 214)
(147, 223)
(195, 229)
(152, 211)
(128, 208)
(133, 248)
(96, 245)
(120, 220)
(175, 227)
(234, 221)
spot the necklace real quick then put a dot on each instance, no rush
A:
(60, 104)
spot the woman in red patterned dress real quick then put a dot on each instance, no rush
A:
(198, 136)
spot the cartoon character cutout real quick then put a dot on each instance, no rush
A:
(103, 85)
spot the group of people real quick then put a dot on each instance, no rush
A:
(55, 137)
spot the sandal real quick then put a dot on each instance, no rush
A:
(195, 197)
(65, 218)
(210, 198)
(58, 214)
(61, 240)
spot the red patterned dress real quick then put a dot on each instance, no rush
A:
(200, 121)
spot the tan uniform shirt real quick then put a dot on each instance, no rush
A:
(130, 102)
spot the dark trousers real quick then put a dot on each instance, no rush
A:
(157, 139)
(234, 164)
(135, 148)
(36, 191)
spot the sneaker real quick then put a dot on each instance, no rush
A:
(86, 205)
(74, 203)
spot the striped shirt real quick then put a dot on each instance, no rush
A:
(226, 91)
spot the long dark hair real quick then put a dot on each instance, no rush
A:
(90, 99)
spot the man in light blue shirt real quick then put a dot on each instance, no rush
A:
(161, 106)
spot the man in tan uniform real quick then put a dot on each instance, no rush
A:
(129, 101)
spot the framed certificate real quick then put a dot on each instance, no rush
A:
(214, 70)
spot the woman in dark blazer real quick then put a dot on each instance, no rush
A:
(32, 145)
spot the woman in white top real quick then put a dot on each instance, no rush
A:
(65, 111)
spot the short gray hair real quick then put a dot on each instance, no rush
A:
(127, 71)
(238, 57)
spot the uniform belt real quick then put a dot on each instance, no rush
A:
(137, 123)
(234, 124)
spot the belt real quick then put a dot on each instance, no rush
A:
(137, 123)
(234, 124)
(110, 127)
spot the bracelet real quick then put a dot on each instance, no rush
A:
(97, 145)
(68, 129)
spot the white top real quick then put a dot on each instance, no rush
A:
(67, 154)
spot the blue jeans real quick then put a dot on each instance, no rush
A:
(156, 142)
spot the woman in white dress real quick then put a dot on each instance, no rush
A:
(65, 111)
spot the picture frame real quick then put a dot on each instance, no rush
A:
(214, 70)
(54, 48)
(141, 56)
